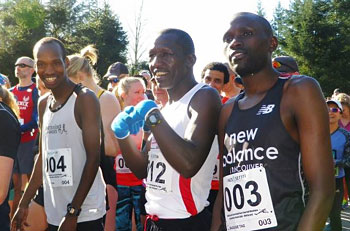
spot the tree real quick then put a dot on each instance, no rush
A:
(279, 27)
(104, 30)
(260, 9)
(317, 35)
(21, 25)
(136, 46)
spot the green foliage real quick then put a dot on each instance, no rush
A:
(260, 10)
(76, 23)
(21, 25)
(317, 34)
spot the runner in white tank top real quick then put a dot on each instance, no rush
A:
(68, 161)
(178, 166)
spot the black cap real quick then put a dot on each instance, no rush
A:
(285, 64)
(116, 69)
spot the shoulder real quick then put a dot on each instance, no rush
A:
(85, 94)
(301, 83)
(344, 132)
(42, 101)
(206, 95)
(108, 97)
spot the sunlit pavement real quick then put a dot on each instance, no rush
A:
(345, 217)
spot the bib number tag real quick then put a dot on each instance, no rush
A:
(216, 170)
(120, 165)
(247, 201)
(159, 175)
(59, 167)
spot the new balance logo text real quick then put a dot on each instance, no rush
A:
(265, 109)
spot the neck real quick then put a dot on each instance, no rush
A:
(62, 92)
(260, 82)
(25, 82)
(181, 88)
(345, 121)
(333, 127)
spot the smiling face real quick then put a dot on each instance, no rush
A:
(167, 61)
(334, 113)
(50, 65)
(248, 44)
(214, 79)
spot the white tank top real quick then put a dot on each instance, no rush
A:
(169, 195)
(63, 158)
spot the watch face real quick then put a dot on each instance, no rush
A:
(152, 119)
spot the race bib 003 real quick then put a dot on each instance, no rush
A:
(247, 201)
(58, 167)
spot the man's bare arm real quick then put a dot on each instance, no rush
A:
(188, 155)
(311, 118)
(87, 113)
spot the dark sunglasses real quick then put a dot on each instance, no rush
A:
(334, 110)
(22, 65)
(114, 80)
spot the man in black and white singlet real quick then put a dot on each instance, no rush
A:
(269, 142)
(178, 166)
(68, 162)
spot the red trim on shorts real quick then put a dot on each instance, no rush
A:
(186, 194)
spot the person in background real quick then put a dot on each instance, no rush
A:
(4, 80)
(10, 137)
(81, 71)
(115, 73)
(130, 91)
(26, 94)
(233, 87)
(344, 122)
(216, 75)
(285, 65)
(340, 140)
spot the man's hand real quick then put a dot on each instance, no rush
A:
(68, 223)
(19, 219)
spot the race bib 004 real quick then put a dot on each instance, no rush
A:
(247, 201)
(58, 167)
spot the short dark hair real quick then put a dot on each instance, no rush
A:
(182, 38)
(217, 66)
(264, 23)
(47, 40)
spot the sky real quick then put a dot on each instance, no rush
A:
(204, 20)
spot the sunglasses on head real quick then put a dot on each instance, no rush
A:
(114, 80)
(332, 109)
(277, 64)
(22, 65)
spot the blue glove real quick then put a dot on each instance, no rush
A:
(119, 125)
(144, 107)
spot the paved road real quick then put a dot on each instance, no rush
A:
(345, 216)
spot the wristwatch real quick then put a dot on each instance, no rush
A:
(153, 118)
(73, 211)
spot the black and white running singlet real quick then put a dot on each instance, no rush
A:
(262, 173)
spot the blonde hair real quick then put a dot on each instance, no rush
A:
(8, 98)
(343, 98)
(84, 62)
(123, 87)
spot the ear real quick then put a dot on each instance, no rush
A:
(123, 95)
(67, 62)
(191, 60)
(273, 44)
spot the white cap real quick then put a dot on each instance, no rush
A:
(336, 102)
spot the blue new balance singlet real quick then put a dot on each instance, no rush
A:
(263, 180)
